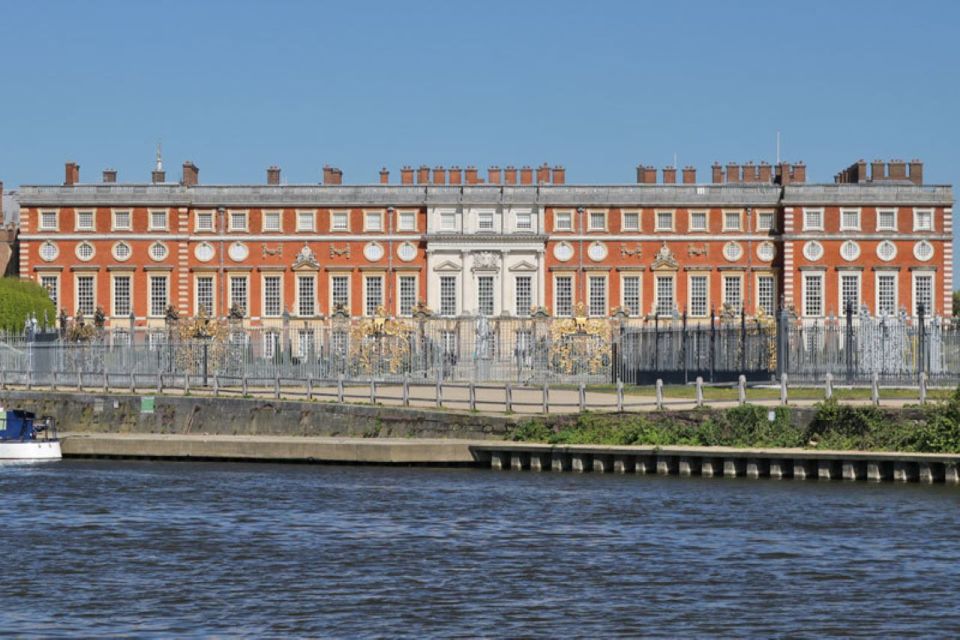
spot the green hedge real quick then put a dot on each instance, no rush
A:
(19, 298)
(835, 426)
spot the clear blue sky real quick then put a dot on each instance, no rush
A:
(596, 86)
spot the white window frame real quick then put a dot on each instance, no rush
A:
(917, 212)
(727, 214)
(296, 295)
(516, 221)
(349, 303)
(83, 212)
(565, 214)
(656, 294)
(309, 216)
(896, 291)
(246, 283)
(928, 312)
(204, 215)
(726, 277)
(605, 278)
(402, 215)
(631, 310)
(76, 292)
(416, 293)
(166, 220)
(231, 226)
(896, 215)
(843, 225)
(821, 276)
(367, 277)
(456, 295)
(573, 294)
(773, 221)
(773, 306)
(493, 294)
(706, 221)
(596, 212)
(213, 292)
(334, 216)
(483, 216)
(443, 217)
(807, 226)
(841, 305)
(56, 220)
(706, 306)
(263, 295)
(656, 220)
(115, 226)
(151, 277)
(368, 214)
(631, 213)
(113, 293)
(519, 310)
(268, 215)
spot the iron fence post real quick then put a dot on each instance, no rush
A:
(713, 340)
(921, 347)
(743, 340)
(848, 343)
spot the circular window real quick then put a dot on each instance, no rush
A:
(813, 250)
(923, 250)
(85, 251)
(49, 251)
(158, 251)
(850, 251)
(406, 252)
(732, 251)
(121, 251)
(204, 252)
(886, 251)
(597, 251)
(373, 251)
(238, 252)
(563, 252)
(766, 251)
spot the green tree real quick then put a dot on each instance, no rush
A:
(21, 298)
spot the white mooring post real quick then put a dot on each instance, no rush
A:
(310, 386)
(438, 394)
(659, 387)
(619, 395)
(699, 391)
(373, 391)
(106, 381)
(583, 396)
(828, 386)
(406, 390)
(133, 381)
(216, 385)
(783, 389)
(159, 382)
(472, 391)
(243, 384)
(923, 388)
(875, 389)
(340, 388)
(508, 398)
(546, 397)
(742, 389)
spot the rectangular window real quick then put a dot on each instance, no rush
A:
(698, 221)
(767, 295)
(48, 220)
(598, 221)
(205, 295)
(271, 344)
(485, 221)
(631, 221)
(85, 221)
(733, 292)
(306, 296)
(271, 221)
(731, 221)
(406, 221)
(631, 295)
(765, 221)
(664, 221)
(158, 295)
(448, 222)
(121, 295)
(664, 292)
(448, 295)
(373, 294)
(340, 293)
(849, 293)
(698, 296)
(448, 343)
(306, 343)
(204, 222)
(51, 284)
(306, 221)
(563, 296)
(121, 220)
(813, 220)
(597, 296)
(813, 294)
(86, 300)
(340, 221)
(485, 305)
(238, 221)
(562, 221)
(923, 220)
(373, 221)
(158, 220)
(524, 222)
(408, 295)
(238, 295)
(886, 220)
(849, 219)
(523, 295)
(923, 294)
(272, 298)
(886, 294)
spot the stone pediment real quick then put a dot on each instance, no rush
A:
(523, 266)
(448, 266)
(664, 260)
(306, 260)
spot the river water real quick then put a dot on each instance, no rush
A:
(184, 549)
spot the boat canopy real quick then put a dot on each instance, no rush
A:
(16, 424)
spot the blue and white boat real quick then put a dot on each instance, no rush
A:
(23, 437)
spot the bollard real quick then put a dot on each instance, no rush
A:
(243, 384)
(276, 386)
(472, 396)
(133, 381)
(439, 395)
(699, 391)
(828, 386)
(310, 387)
(582, 389)
(186, 383)
(875, 389)
(508, 398)
(373, 391)
(619, 395)
(406, 390)
(106, 381)
(742, 389)
(340, 388)
(783, 389)
(923, 388)
(216, 385)
(53, 383)
(546, 397)
(79, 380)
(659, 388)
(159, 382)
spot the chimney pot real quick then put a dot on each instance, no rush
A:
(191, 174)
(898, 170)
(559, 175)
(273, 175)
(423, 174)
(384, 176)
(493, 175)
(916, 172)
(439, 175)
(765, 172)
(71, 173)
(543, 173)
(749, 172)
(470, 175)
(332, 175)
(799, 173)
(650, 174)
(716, 173)
(733, 172)
(510, 175)
(878, 170)
(689, 175)
(669, 175)
(406, 175)
(109, 176)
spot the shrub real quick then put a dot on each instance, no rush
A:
(21, 298)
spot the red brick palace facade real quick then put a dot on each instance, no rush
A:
(501, 244)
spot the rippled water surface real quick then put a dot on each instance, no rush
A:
(182, 549)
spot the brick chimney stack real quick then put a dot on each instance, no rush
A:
(109, 176)
(191, 174)
(493, 175)
(916, 172)
(510, 175)
(71, 174)
(158, 176)
(470, 175)
(878, 170)
(406, 175)
(273, 176)
(384, 176)
(649, 174)
(897, 169)
(799, 173)
(332, 175)
(765, 172)
(716, 173)
(640, 173)
(733, 172)
(439, 175)
(749, 172)
(423, 174)
(543, 173)
(689, 175)
(456, 175)
(559, 175)
(669, 175)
